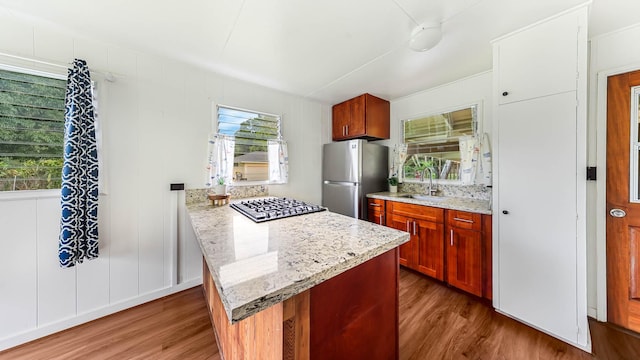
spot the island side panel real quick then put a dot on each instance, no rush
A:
(257, 337)
(355, 314)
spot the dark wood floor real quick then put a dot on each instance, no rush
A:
(436, 322)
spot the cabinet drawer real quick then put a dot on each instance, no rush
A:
(375, 211)
(418, 212)
(375, 204)
(464, 220)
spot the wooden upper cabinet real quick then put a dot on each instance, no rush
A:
(365, 116)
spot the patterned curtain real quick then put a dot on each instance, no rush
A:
(278, 162)
(220, 160)
(79, 195)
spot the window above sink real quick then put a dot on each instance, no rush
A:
(433, 141)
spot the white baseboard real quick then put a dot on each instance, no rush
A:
(592, 312)
(67, 323)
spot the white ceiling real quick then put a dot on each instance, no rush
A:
(328, 50)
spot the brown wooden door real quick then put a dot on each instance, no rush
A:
(430, 259)
(407, 250)
(341, 114)
(357, 124)
(464, 260)
(623, 233)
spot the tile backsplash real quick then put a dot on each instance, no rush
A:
(237, 192)
(480, 192)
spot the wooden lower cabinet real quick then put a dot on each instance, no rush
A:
(425, 250)
(375, 211)
(430, 248)
(353, 315)
(457, 251)
(464, 260)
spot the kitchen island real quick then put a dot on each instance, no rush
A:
(316, 286)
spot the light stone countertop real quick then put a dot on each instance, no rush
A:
(256, 265)
(452, 203)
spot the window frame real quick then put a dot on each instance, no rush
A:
(31, 193)
(479, 111)
(215, 128)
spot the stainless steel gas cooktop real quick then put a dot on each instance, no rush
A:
(261, 210)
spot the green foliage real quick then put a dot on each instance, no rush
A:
(393, 181)
(252, 136)
(31, 131)
(415, 165)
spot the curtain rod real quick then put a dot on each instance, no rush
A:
(109, 76)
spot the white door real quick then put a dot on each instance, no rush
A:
(537, 213)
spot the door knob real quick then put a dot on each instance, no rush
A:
(506, 212)
(618, 213)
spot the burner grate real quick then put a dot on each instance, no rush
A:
(261, 210)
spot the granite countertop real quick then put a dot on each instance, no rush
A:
(256, 265)
(452, 203)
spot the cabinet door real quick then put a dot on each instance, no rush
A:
(538, 61)
(408, 250)
(375, 213)
(357, 120)
(538, 203)
(430, 249)
(377, 113)
(464, 260)
(341, 114)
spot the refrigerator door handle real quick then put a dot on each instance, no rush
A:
(345, 183)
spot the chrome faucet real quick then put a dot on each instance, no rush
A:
(431, 172)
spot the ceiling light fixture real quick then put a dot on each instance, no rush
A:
(425, 36)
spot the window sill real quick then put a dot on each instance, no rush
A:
(249, 183)
(32, 194)
(435, 181)
(29, 194)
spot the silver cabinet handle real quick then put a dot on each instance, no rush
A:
(463, 220)
(618, 213)
(414, 228)
(408, 227)
(451, 237)
(347, 126)
(374, 204)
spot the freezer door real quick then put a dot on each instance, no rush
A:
(342, 161)
(342, 198)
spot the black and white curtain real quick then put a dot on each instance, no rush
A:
(79, 198)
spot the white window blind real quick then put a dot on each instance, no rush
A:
(31, 131)
(438, 133)
(434, 142)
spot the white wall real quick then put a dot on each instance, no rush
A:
(474, 89)
(156, 118)
(612, 53)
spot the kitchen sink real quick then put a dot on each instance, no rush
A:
(424, 197)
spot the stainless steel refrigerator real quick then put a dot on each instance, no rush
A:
(350, 170)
